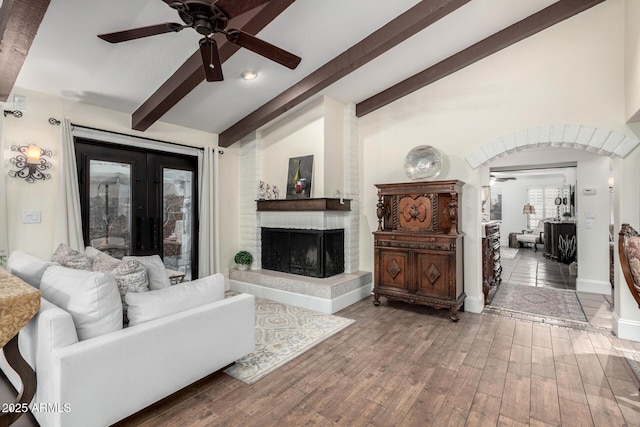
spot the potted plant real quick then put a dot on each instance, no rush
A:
(243, 259)
(566, 216)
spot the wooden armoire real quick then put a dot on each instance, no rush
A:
(418, 246)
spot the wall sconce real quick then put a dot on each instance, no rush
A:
(30, 162)
(15, 113)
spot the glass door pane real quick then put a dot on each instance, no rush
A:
(177, 221)
(110, 207)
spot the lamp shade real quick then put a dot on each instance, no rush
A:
(529, 209)
(33, 154)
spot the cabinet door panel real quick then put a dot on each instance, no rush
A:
(393, 271)
(434, 276)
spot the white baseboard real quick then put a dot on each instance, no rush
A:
(323, 305)
(593, 286)
(625, 329)
(474, 304)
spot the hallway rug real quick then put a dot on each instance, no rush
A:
(283, 332)
(509, 253)
(546, 302)
(631, 361)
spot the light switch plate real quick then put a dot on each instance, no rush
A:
(588, 223)
(589, 215)
(30, 216)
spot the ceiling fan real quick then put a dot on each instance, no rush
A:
(502, 179)
(208, 18)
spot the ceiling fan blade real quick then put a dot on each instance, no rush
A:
(137, 33)
(233, 8)
(211, 60)
(263, 48)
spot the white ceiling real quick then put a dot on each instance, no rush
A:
(67, 59)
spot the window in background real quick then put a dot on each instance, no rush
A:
(544, 200)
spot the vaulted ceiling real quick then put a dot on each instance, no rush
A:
(367, 52)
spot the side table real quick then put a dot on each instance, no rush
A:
(19, 302)
(175, 276)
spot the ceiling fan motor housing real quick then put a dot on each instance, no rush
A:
(202, 16)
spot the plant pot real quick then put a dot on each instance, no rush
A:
(243, 266)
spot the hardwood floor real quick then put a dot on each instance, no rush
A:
(411, 366)
(408, 365)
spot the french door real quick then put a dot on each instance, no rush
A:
(139, 202)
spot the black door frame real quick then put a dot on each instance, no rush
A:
(146, 178)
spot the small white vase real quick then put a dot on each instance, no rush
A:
(243, 266)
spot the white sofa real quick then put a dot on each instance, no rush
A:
(101, 380)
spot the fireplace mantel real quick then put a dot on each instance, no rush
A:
(296, 205)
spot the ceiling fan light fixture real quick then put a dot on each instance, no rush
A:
(249, 75)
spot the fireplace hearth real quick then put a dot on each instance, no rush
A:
(313, 253)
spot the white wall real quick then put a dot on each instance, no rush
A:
(549, 78)
(632, 60)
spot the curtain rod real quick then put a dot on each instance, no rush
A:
(73, 125)
(55, 122)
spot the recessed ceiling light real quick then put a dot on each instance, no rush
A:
(249, 75)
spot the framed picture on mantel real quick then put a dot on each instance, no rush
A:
(299, 177)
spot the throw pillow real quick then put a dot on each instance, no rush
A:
(27, 267)
(131, 276)
(633, 255)
(158, 277)
(68, 257)
(91, 252)
(184, 296)
(91, 298)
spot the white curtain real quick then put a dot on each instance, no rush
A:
(4, 238)
(68, 223)
(208, 258)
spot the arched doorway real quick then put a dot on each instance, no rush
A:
(592, 149)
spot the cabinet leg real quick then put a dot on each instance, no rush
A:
(376, 300)
(454, 314)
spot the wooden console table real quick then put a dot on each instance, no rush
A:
(19, 302)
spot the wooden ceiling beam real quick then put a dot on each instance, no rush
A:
(396, 31)
(529, 26)
(19, 23)
(191, 74)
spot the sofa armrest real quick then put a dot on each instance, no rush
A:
(50, 328)
(112, 376)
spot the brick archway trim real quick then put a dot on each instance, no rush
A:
(596, 140)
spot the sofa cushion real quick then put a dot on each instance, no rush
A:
(91, 298)
(158, 277)
(27, 267)
(68, 257)
(147, 306)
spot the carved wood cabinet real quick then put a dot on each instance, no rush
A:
(418, 247)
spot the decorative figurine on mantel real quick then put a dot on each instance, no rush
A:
(276, 192)
(261, 191)
(268, 192)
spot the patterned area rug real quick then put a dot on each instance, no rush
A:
(546, 302)
(508, 252)
(631, 362)
(283, 332)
